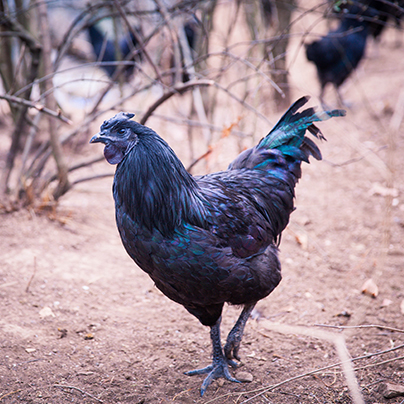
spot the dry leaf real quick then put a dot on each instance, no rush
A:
(226, 131)
(370, 288)
(303, 240)
(89, 336)
(30, 350)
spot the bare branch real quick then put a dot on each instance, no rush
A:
(138, 39)
(242, 102)
(35, 49)
(80, 165)
(38, 107)
(177, 89)
(95, 177)
(343, 327)
(197, 160)
(50, 103)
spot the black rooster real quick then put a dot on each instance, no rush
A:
(385, 10)
(105, 51)
(213, 239)
(338, 53)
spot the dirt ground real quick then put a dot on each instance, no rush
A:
(80, 323)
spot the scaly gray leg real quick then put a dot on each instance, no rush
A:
(236, 334)
(220, 365)
(321, 97)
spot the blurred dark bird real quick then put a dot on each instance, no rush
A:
(190, 33)
(384, 10)
(213, 239)
(105, 51)
(267, 11)
(190, 29)
(338, 53)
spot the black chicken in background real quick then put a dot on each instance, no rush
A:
(190, 29)
(213, 239)
(106, 52)
(385, 10)
(268, 11)
(190, 33)
(338, 54)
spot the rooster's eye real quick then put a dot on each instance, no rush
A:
(121, 131)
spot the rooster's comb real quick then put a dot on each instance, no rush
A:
(120, 117)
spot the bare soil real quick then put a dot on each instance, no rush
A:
(80, 323)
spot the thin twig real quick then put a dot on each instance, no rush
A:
(266, 389)
(371, 365)
(254, 68)
(9, 394)
(181, 393)
(379, 363)
(191, 122)
(242, 102)
(342, 327)
(167, 19)
(372, 384)
(81, 391)
(177, 89)
(316, 371)
(80, 165)
(354, 160)
(94, 177)
(39, 107)
(27, 149)
(198, 159)
(138, 39)
(32, 277)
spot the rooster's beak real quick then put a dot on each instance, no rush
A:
(98, 138)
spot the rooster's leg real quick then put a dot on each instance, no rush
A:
(321, 97)
(219, 366)
(236, 334)
(341, 102)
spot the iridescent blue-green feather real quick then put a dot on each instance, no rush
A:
(288, 135)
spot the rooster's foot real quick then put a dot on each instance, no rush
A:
(219, 368)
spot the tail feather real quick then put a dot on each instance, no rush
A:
(287, 142)
(310, 149)
(288, 135)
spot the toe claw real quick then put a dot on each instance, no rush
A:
(216, 373)
(218, 369)
(208, 380)
(202, 371)
(232, 363)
